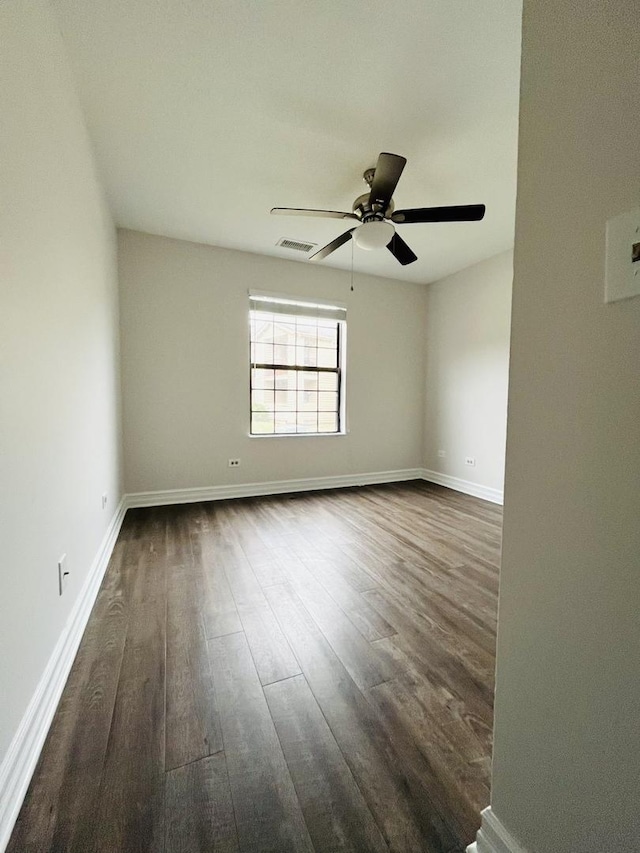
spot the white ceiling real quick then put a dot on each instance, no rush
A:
(205, 114)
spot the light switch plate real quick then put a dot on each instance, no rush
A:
(63, 574)
(622, 273)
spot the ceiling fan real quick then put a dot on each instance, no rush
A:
(376, 216)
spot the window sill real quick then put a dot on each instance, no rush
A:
(298, 434)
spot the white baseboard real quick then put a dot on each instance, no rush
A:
(496, 496)
(166, 497)
(493, 837)
(275, 487)
(23, 753)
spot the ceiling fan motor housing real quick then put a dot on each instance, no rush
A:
(369, 212)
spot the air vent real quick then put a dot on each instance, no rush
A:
(296, 245)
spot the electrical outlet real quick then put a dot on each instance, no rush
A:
(63, 574)
(234, 463)
(442, 454)
(470, 460)
(104, 501)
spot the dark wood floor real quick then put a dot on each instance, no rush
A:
(296, 673)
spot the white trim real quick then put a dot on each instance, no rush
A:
(493, 837)
(23, 753)
(307, 435)
(275, 487)
(496, 496)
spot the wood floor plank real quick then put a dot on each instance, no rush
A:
(459, 520)
(336, 813)
(242, 581)
(200, 816)
(440, 701)
(444, 673)
(272, 655)
(449, 600)
(484, 577)
(404, 811)
(371, 624)
(366, 664)
(192, 729)
(271, 652)
(402, 537)
(268, 813)
(130, 814)
(192, 723)
(456, 784)
(264, 563)
(219, 610)
(460, 528)
(464, 667)
(335, 554)
(440, 537)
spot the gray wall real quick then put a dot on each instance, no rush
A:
(467, 371)
(184, 321)
(60, 424)
(567, 737)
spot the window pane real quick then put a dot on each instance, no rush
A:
(263, 331)
(307, 356)
(327, 381)
(262, 401)
(285, 422)
(262, 422)
(286, 401)
(307, 422)
(307, 334)
(327, 357)
(284, 333)
(307, 381)
(327, 422)
(286, 379)
(327, 401)
(307, 401)
(283, 354)
(262, 353)
(328, 336)
(261, 378)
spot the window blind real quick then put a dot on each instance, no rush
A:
(276, 304)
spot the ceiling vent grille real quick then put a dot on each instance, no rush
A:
(296, 245)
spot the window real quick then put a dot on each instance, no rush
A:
(296, 367)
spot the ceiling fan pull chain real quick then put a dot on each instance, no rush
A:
(352, 266)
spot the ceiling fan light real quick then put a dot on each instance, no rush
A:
(373, 235)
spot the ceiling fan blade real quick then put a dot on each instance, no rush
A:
(400, 251)
(302, 211)
(459, 213)
(385, 179)
(332, 246)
